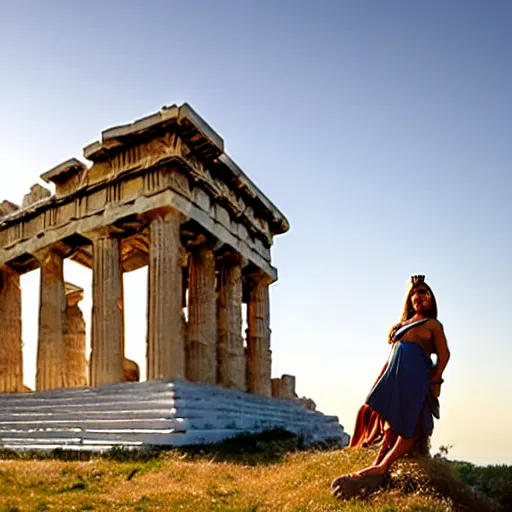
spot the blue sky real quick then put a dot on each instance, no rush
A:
(381, 129)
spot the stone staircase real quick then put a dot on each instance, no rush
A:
(151, 414)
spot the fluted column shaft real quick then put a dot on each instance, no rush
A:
(52, 307)
(75, 365)
(258, 339)
(107, 340)
(230, 343)
(11, 356)
(166, 345)
(201, 348)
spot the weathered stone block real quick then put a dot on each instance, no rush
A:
(37, 193)
(6, 208)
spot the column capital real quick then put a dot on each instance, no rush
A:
(201, 241)
(8, 273)
(48, 254)
(103, 232)
(163, 212)
(258, 277)
(231, 257)
(74, 294)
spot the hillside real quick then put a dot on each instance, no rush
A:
(271, 476)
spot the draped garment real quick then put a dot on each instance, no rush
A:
(402, 394)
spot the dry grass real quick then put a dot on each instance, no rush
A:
(178, 481)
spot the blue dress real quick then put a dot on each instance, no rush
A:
(402, 395)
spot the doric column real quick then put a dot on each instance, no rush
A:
(165, 336)
(277, 387)
(107, 335)
(288, 387)
(230, 343)
(75, 364)
(201, 348)
(258, 338)
(11, 357)
(52, 307)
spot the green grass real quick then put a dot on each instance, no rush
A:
(272, 475)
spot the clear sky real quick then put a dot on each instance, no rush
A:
(381, 129)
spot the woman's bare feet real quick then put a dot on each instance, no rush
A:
(376, 470)
(347, 486)
(337, 482)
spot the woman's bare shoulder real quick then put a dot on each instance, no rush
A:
(434, 323)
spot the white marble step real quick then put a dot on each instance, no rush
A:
(174, 425)
(160, 413)
(146, 391)
(135, 409)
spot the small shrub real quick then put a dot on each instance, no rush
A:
(493, 481)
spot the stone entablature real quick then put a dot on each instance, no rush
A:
(171, 158)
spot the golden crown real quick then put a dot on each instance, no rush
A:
(417, 280)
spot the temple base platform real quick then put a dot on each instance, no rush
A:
(152, 414)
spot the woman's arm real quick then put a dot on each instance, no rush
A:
(443, 356)
(441, 350)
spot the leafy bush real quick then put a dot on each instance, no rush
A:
(493, 481)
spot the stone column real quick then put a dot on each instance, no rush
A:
(201, 348)
(284, 387)
(230, 343)
(52, 307)
(277, 388)
(11, 355)
(165, 336)
(107, 340)
(258, 338)
(75, 364)
(288, 387)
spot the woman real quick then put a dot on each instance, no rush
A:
(402, 403)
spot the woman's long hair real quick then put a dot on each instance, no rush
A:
(408, 311)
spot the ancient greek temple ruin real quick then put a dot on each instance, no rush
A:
(159, 192)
